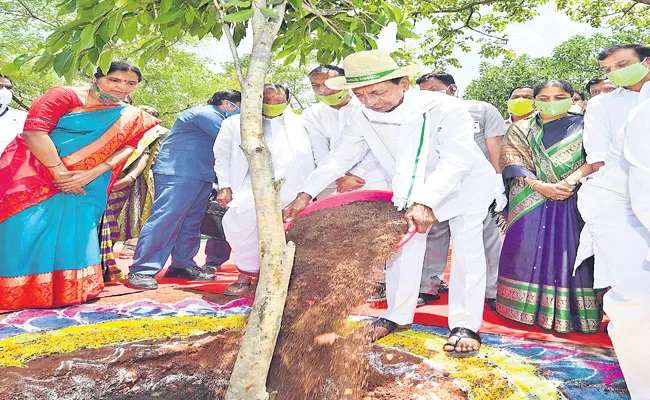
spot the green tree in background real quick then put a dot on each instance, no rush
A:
(573, 60)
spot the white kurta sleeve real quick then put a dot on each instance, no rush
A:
(320, 143)
(597, 135)
(636, 152)
(223, 151)
(350, 150)
(456, 148)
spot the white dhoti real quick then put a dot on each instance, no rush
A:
(240, 227)
(435, 257)
(620, 245)
(403, 275)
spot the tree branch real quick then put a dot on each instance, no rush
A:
(225, 27)
(32, 15)
(472, 5)
(310, 8)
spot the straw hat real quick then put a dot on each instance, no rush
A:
(368, 67)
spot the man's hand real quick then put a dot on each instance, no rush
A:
(348, 183)
(419, 217)
(291, 211)
(224, 196)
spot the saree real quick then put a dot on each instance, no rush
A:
(128, 208)
(50, 254)
(536, 283)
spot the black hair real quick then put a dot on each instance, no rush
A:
(119, 66)
(326, 69)
(443, 77)
(233, 96)
(564, 85)
(640, 50)
(396, 81)
(278, 87)
(594, 81)
(519, 87)
(580, 93)
(7, 78)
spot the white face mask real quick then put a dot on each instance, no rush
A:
(5, 97)
(576, 109)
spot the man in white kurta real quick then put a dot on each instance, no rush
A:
(292, 158)
(11, 120)
(616, 208)
(324, 122)
(607, 113)
(424, 143)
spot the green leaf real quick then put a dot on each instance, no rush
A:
(72, 70)
(166, 5)
(63, 62)
(130, 29)
(237, 3)
(168, 17)
(172, 32)
(274, 1)
(348, 39)
(87, 38)
(22, 59)
(8, 69)
(189, 17)
(296, 4)
(105, 60)
(57, 40)
(239, 16)
(43, 62)
(269, 13)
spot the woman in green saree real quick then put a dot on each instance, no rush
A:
(543, 160)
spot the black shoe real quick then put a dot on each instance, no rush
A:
(141, 281)
(425, 298)
(492, 303)
(211, 267)
(444, 287)
(190, 274)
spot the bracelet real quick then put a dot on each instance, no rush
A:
(132, 178)
(109, 164)
(533, 183)
(55, 165)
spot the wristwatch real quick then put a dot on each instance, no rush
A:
(571, 182)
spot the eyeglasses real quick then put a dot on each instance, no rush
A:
(8, 87)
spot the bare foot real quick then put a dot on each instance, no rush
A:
(327, 339)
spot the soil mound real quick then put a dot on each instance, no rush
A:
(340, 255)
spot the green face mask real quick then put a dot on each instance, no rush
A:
(333, 99)
(273, 110)
(520, 107)
(554, 108)
(630, 75)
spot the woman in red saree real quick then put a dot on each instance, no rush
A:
(54, 180)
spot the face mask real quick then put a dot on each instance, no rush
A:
(576, 109)
(333, 99)
(630, 75)
(519, 107)
(554, 108)
(444, 91)
(5, 97)
(104, 97)
(273, 110)
(231, 113)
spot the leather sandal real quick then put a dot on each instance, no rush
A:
(235, 289)
(461, 333)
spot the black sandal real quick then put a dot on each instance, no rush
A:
(461, 333)
(232, 289)
(382, 323)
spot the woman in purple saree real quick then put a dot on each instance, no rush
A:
(542, 160)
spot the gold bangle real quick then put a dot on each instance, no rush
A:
(110, 164)
(55, 165)
(533, 183)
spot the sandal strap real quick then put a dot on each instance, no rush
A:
(461, 333)
(385, 323)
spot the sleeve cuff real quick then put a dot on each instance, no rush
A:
(596, 157)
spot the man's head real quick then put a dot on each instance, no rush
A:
(521, 92)
(6, 86)
(438, 82)
(331, 97)
(275, 100)
(228, 101)
(600, 85)
(375, 78)
(626, 64)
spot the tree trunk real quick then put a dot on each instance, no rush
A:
(248, 379)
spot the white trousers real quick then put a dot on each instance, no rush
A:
(620, 245)
(467, 281)
(240, 227)
(435, 257)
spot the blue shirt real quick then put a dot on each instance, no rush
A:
(187, 151)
